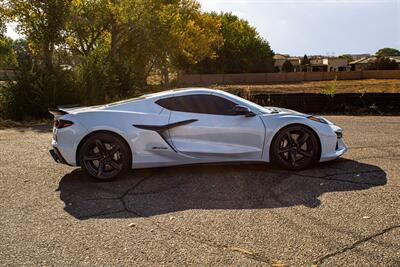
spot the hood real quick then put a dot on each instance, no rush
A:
(284, 111)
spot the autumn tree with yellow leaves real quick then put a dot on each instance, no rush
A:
(94, 51)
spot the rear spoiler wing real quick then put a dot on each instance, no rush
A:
(62, 110)
(57, 111)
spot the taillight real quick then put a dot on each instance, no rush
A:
(62, 123)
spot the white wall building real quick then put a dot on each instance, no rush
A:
(336, 64)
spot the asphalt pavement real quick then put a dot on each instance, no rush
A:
(342, 213)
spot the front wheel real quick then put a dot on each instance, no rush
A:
(295, 147)
(105, 156)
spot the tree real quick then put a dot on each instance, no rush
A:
(21, 50)
(3, 17)
(192, 37)
(287, 66)
(147, 36)
(8, 58)
(387, 52)
(304, 63)
(33, 90)
(42, 22)
(346, 56)
(39, 83)
(87, 25)
(112, 46)
(131, 39)
(243, 50)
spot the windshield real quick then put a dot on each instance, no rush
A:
(250, 104)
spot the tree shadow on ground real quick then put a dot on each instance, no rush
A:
(157, 191)
(45, 127)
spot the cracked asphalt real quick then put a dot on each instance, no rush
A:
(342, 213)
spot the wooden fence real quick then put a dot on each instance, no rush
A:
(282, 77)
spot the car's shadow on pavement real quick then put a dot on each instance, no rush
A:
(248, 186)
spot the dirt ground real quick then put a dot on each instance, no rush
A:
(342, 86)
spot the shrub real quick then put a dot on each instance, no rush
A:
(330, 88)
(34, 91)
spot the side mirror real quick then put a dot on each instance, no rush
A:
(243, 110)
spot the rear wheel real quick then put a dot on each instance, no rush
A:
(295, 147)
(105, 156)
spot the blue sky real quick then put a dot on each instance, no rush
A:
(299, 27)
(319, 27)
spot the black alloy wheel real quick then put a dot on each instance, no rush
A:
(295, 147)
(105, 156)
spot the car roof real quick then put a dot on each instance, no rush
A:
(164, 94)
(181, 91)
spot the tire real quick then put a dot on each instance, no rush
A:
(105, 156)
(295, 147)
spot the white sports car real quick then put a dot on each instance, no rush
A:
(189, 126)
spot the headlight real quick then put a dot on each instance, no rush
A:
(319, 119)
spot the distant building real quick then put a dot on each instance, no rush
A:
(359, 56)
(280, 60)
(281, 56)
(320, 63)
(336, 64)
(362, 63)
(317, 64)
(328, 64)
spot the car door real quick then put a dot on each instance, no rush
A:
(208, 128)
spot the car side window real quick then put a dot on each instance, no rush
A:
(206, 104)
